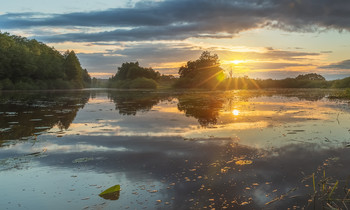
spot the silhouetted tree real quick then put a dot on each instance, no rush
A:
(134, 70)
(311, 76)
(204, 72)
(132, 75)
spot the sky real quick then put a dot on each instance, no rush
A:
(255, 38)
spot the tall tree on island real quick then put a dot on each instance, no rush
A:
(72, 69)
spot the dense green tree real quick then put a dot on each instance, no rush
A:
(206, 61)
(86, 78)
(72, 68)
(204, 72)
(341, 83)
(29, 64)
(130, 71)
(132, 75)
(311, 76)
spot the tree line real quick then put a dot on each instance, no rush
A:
(133, 76)
(206, 73)
(28, 64)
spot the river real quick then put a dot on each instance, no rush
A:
(273, 149)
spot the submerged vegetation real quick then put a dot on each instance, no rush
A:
(28, 64)
(328, 192)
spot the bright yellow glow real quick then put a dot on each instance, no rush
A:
(236, 62)
(235, 112)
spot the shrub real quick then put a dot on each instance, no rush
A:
(6, 84)
(143, 83)
(183, 83)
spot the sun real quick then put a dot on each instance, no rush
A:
(235, 112)
(236, 62)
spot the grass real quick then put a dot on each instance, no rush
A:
(328, 193)
(345, 94)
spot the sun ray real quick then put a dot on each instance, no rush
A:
(209, 78)
(254, 83)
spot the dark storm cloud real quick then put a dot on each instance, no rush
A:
(181, 19)
(340, 65)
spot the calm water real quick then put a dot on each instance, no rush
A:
(173, 150)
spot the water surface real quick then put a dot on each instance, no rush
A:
(175, 150)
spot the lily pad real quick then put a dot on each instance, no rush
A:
(111, 193)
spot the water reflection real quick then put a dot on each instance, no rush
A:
(204, 107)
(211, 175)
(239, 149)
(131, 102)
(25, 115)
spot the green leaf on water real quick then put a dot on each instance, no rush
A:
(115, 188)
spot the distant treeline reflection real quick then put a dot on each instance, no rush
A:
(204, 106)
(28, 114)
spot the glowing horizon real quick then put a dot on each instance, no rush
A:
(255, 43)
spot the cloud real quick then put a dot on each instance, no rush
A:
(182, 19)
(340, 65)
(272, 66)
(167, 57)
(155, 55)
(326, 52)
(269, 54)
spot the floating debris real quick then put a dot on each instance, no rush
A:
(82, 160)
(111, 193)
(35, 120)
(152, 191)
(4, 129)
(243, 162)
(41, 128)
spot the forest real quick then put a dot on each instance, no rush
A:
(26, 64)
(29, 65)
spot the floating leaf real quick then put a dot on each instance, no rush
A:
(111, 193)
(243, 162)
(115, 188)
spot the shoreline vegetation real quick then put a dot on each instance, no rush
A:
(205, 73)
(31, 65)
